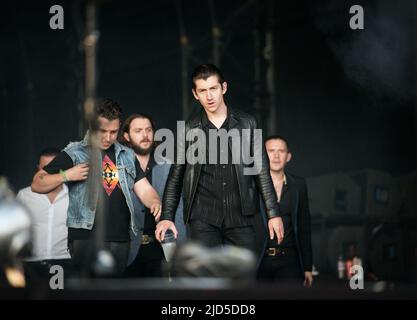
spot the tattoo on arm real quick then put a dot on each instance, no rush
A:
(42, 175)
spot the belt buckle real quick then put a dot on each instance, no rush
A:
(272, 252)
(145, 239)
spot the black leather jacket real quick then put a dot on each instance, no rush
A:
(183, 177)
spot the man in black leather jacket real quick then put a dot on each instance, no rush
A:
(220, 197)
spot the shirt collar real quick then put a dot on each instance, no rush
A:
(206, 122)
(151, 162)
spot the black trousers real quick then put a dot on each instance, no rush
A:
(37, 273)
(212, 236)
(84, 256)
(282, 267)
(148, 262)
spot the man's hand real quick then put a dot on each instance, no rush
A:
(78, 172)
(148, 196)
(162, 227)
(156, 209)
(276, 226)
(308, 279)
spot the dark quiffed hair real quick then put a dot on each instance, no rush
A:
(277, 136)
(108, 109)
(126, 126)
(49, 152)
(204, 71)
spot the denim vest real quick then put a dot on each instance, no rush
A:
(82, 209)
(159, 177)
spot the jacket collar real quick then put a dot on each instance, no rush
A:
(200, 119)
(86, 140)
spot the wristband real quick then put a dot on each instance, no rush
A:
(64, 174)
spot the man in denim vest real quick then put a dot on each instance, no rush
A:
(121, 176)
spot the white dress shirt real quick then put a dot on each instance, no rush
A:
(50, 232)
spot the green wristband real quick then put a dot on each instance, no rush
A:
(64, 174)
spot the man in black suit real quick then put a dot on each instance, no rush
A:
(292, 258)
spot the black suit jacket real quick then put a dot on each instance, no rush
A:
(301, 221)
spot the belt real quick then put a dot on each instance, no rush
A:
(272, 252)
(146, 239)
(48, 262)
(39, 262)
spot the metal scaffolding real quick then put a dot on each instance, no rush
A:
(222, 33)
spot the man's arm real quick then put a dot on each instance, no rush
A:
(173, 191)
(263, 179)
(304, 229)
(266, 189)
(304, 233)
(171, 199)
(148, 196)
(43, 182)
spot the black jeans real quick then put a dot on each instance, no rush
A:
(148, 262)
(212, 236)
(84, 255)
(38, 272)
(282, 267)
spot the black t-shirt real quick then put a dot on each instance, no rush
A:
(112, 202)
(149, 225)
